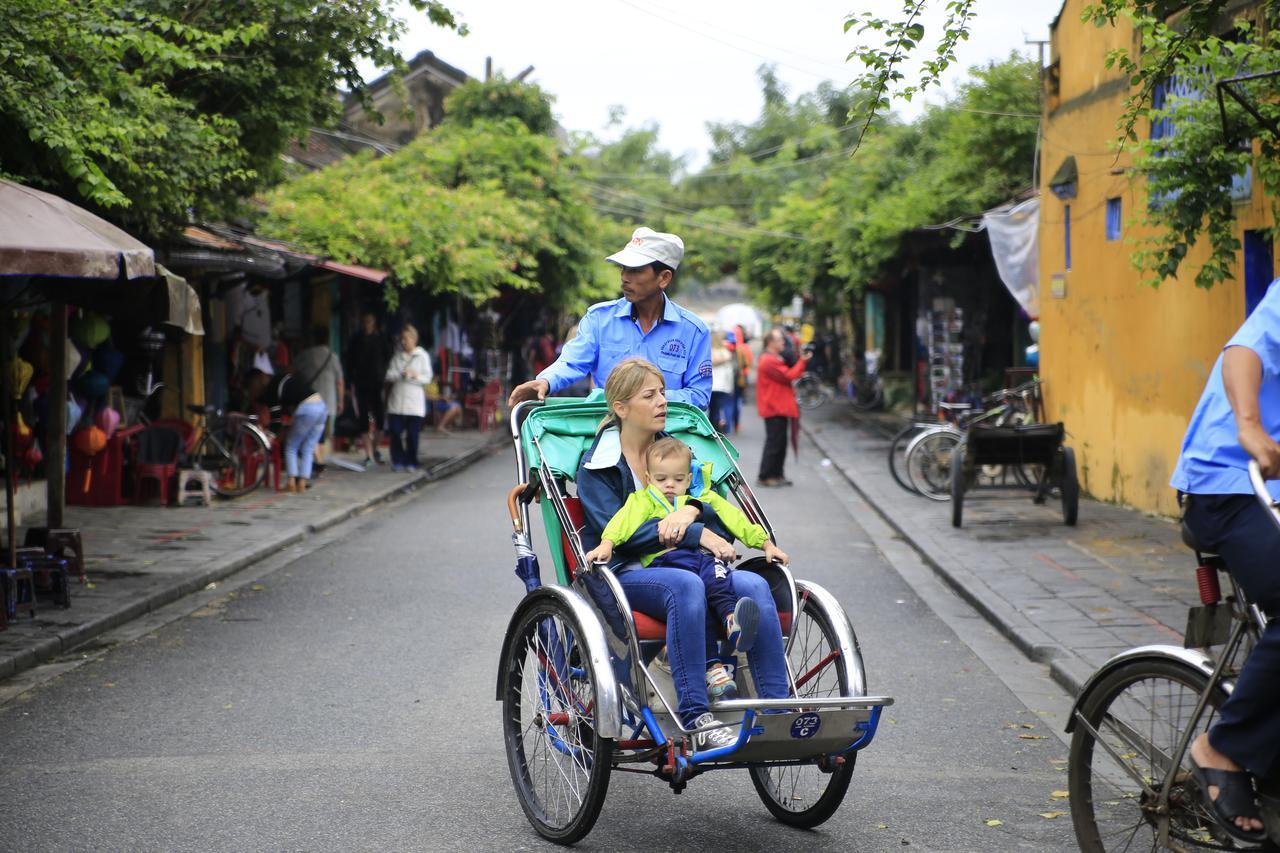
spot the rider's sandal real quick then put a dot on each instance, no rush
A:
(1235, 799)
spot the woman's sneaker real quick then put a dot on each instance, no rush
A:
(719, 684)
(741, 625)
(712, 738)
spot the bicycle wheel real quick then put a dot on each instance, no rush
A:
(808, 794)
(929, 462)
(898, 453)
(559, 762)
(810, 393)
(868, 394)
(237, 456)
(1139, 712)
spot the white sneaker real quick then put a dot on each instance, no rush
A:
(712, 738)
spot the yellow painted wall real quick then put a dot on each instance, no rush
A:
(1124, 364)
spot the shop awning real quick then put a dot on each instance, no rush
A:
(355, 271)
(44, 235)
(184, 303)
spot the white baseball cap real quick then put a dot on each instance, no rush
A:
(647, 246)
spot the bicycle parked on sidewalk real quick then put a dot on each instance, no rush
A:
(232, 446)
(1129, 768)
(920, 454)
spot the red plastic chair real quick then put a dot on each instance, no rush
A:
(483, 404)
(158, 450)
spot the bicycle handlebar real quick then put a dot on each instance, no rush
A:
(1263, 495)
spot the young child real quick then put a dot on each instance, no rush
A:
(668, 463)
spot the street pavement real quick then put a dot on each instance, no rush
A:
(1070, 597)
(340, 696)
(139, 558)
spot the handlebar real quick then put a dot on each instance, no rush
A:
(1270, 504)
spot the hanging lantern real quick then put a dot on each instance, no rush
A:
(90, 441)
(107, 420)
(21, 372)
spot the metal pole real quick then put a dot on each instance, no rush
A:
(10, 460)
(56, 436)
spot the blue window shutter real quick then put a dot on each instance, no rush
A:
(1066, 234)
(1114, 225)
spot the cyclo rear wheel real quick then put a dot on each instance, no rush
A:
(806, 795)
(559, 762)
(1140, 711)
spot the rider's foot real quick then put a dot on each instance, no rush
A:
(712, 738)
(1205, 756)
(719, 684)
(741, 625)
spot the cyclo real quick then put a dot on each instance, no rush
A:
(585, 690)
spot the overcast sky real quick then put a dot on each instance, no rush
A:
(683, 64)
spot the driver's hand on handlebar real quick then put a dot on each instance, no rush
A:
(716, 544)
(672, 528)
(1262, 447)
(534, 389)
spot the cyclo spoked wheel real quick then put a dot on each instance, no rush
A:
(929, 462)
(1140, 711)
(810, 394)
(559, 762)
(806, 795)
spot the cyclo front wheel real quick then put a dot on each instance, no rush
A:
(806, 795)
(1139, 712)
(559, 762)
(810, 393)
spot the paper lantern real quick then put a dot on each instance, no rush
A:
(89, 329)
(22, 435)
(73, 414)
(22, 372)
(32, 457)
(93, 384)
(90, 441)
(74, 357)
(108, 360)
(107, 420)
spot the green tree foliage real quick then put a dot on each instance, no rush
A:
(1189, 174)
(147, 110)
(1190, 170)
(462, 209)
(499, 98)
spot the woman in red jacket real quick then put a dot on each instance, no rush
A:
(776, 402)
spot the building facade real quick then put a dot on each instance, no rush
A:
(1123, 363)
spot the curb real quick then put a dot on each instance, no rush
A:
(1065, 667)
(68, 639)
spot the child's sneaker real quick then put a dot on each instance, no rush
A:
(719, 684)
(741, 625)
(712, 738)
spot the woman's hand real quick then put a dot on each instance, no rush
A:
(671, 529)
(717, 545)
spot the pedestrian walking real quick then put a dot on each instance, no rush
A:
(723, 410)
(367, 356)
(776, 403)
(643, 323)
(409, 373)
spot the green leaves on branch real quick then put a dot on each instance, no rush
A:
(467, 210)
(151, 110)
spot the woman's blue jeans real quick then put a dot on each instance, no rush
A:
(678, 596)
(304, 434)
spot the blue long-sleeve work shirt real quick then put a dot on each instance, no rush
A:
(679, 344)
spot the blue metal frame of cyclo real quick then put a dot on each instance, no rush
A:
(556, 741)
(745, 732)
(868, 730)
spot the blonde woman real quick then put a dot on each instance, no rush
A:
(409, 374)
(610, 471)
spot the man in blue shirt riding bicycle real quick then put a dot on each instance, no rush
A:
(644, 323)
(1238, 419)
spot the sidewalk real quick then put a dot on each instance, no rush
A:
(1068, 597)
(139, 558)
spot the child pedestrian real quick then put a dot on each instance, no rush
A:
(671, 477)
